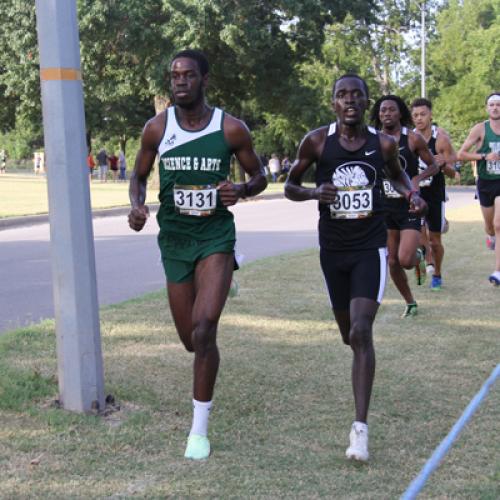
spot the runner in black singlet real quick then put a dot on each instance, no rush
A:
(391, 115)
(433, 189)
(351, 160)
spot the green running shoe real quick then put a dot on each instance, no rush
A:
(410, 310)
(198, 447)
(420, 268)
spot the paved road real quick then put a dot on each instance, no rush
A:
(128, 263)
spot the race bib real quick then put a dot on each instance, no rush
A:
(198, 201)
(352, 203)
(493, 167)
(389, 190)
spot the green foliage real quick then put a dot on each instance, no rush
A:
(465, 63)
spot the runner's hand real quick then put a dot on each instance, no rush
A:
(138, 217)
(229, 192)
(325, 193)
(418, 206)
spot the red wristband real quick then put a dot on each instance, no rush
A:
(411, 193)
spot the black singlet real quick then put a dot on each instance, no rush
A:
(409, 163)
(359, 175)
(436, 190)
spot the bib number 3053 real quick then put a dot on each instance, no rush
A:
(352, 203)
(197, 201)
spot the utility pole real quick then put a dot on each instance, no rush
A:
(79, 356)
(422, 46)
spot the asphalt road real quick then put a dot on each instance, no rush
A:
(128, 264)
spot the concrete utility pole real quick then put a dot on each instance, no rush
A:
(422, 47)
(80, 369)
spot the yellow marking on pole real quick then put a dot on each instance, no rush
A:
(47, 74)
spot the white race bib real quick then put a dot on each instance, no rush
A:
(197, 201)
(352, 203)
(493, 167)
(389, 190)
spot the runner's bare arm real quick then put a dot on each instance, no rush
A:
(446, 156)
(475, 138)
(145, 158)
(309, 152)
(398, 177)
(239, 139)
(420, 148)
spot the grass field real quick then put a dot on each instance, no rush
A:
(27, 194)
(283, 403)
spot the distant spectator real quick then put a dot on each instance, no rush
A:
(37, 163)
(274, 166)
(113, 166)
(3, 161)
(102, 161)
(285, 165)
(90, 165)
(122, 164)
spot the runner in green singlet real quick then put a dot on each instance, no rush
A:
(485, 138)
(194, 143)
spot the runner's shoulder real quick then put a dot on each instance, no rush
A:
(155, 128)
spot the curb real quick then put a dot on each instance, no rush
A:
(33, 220)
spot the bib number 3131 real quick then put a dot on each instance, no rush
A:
(198, 201)
(352, 203)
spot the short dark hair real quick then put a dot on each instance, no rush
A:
(195, 55)
(351, 75)
(405, 118)
(493, 93)
(421, 101)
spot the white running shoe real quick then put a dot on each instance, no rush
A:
(358, 438)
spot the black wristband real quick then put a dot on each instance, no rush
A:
(246, 190)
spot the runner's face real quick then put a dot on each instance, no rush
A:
(493, 109)
(350, 101)
(422, 117)
(187, 82)
(389, 114)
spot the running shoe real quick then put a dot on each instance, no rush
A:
(410, 310)
(234, 289)
(495, 278)
(490, 242)
(198, 447)
(436, 283)
(358, 442)
(420, 273)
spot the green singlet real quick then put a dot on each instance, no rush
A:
(489, 170)
(193, 222)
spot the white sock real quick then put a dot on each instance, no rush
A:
(201, 412)
(496, 274)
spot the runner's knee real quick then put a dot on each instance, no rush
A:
(360, 334)
(204, 336)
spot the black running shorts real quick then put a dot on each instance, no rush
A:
(351, 275)
(488, 190)
(434, 218)
(402, 219)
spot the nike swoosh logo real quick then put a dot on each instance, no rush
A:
(401, 148)
(368, 153)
